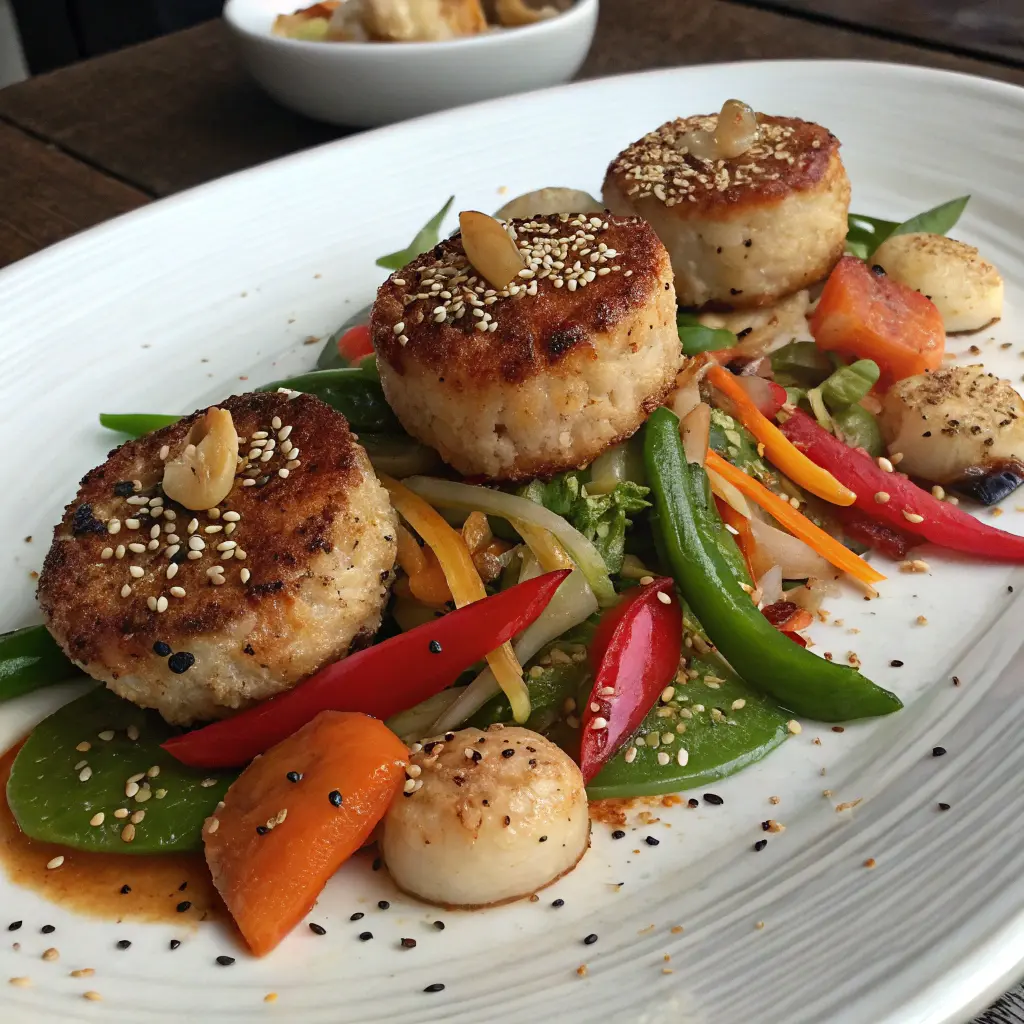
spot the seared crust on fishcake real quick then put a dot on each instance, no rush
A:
(309, 539)
(531, 336)
(540, 376)
(791, 156)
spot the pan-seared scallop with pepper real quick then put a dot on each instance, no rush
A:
(751, 207)
(223, 559)
(523, 349)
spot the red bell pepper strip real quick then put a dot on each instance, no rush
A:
(890, 540)
(379, 681)
(908, 507)
(635, 654)
(355, 343)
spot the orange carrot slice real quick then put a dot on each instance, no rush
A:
(798, 525)
(295, 815)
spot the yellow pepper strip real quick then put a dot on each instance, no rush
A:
(798, 525)
(464, 582)
(410, 554)
(545, 548)
(779, 449)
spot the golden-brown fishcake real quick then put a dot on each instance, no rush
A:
(542, 375)
(198, 614)
(741, 232)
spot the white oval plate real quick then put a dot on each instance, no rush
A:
(179, 303)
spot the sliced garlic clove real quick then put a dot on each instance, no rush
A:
(737, 129)
(490, 249)
(201, 475)
(700, 144)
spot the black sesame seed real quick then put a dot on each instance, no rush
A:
(317, 929)
(262, 830)
(377, 864)
(48, 929)
(181, 662)
(357, 916)
(475, 755)
(760, 845)
(161, 648)
(878, 270)
(693, 802)
(183, 906)
(943, 807)
(543, 839)
(125, 889)
(14, 926)
(590, 939)
(714, 799)
(938, 751)
(651, 841)
(436, 987)
(896, 663)
(174, 943)
(183, 887)
(335, 797)
(618, 834)
(365, 936)
(434, 647)
(383, 904)
(507, 752)
(1009, 590)
(123, 943)
(124, 489)
(294, 776)
(956, 680)
(225, 961)
(766, 825)
(408, 943)
(558, 903)
(449, 736)
(428, 748)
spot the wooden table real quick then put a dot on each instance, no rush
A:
(93, 140)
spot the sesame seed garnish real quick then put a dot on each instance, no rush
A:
(794, 727)
(85, 774)
(630, 755)
(212, 824)
(124, 943)
(206, 783)
(912, 517)
(682, 757)
(21, 982)
(882, 497)
(93, 996)
(84, 746)
(51, 954)
(225, 961)
(938, 751)
(107, 553)
(590, 939)
(132, 732)
(317, 929)
(14, 926)
(128, 833)
(664, 598)
(121, 812)
(435, 987)
(598, 723)
(114, 526)
(713, 799)
(283, 473)
(335, 798)
(884, 464)
(137, 816)
(365, 936)
(119, 552)
(97, 819)
(83, 972)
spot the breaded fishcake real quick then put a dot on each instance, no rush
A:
(540, 376)
(198, 614)
(742, 232)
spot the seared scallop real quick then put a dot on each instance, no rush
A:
(953, 423)
(200, 613)
(487, 817)
(543, 374)
(744, 230)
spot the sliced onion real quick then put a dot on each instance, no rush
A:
(729, 493)
(770, 585)
(811, 595)
(573, 603)
(471, 498)
(414, 723)
(776, 547)
(608, 470)
(760, 392)
(695, 430)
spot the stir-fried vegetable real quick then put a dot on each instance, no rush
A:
(57, 799)
(694, 542)
(135, 424)
(295, 815)
(863, 529)
(469, 498)
(696, 337)
(866, 234)
(381, 680)
(893, 499)
(800, 364)
(426, 238)
(634, 654)
(31, 659)
(793, 463)
(350, 390)
(463, 581)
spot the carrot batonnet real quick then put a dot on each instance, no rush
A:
(464, 581)
(783, 454)
(295, 815)
(799, 525)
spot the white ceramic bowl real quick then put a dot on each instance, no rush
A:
(367, 84)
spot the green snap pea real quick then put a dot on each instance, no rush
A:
(135, 424)
(856, 427)
(29, 660)
(849, 384)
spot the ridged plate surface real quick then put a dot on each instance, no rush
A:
(178, 304)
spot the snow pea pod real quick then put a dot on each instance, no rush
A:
(350, 390)
(135, 424)
(54, 800)
(29, 660)
(690, 534)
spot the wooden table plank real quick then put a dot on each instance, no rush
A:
(985, 28)
(180, 110)
(49, 195)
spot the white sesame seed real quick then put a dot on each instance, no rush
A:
(84, 746)
(196, 543)
(170, 514)
(154, 531)
(217, 528)
(126, 591)
(664, 598)
(177, 591)
(151, 603)
(161, 604)
(55, 862)
(121, 812)
(884, 464)
(663, 758)
(682, 757)
(193, 526)
(231, 517)
(230, 529)
(217, 581)
(630, 755)
(97, 819)
(399, 328)
(143, 795)
(131, 789)
(284, 433)
(207, 783)
(212, 824)
(85, 774)
(133, 732)
(244, 575)
(410, 785)
(194, 555)
(136, 571)
(114, 526)
(881, 497)
(107, 553)
(739, 703)
(107, 735)
(276, 422)
(214, 570)
(169, 529)
(282, 473)
(598, 723)
(794, 727)
(119, 551)
(132, 524)
(172, 570)
(249, 483)
(136, 549)
(912, 517)
(240, 554)
(164, 452)
(227, 545)
(128, 833)
(137, 816)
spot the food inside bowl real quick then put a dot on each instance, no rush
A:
(410, 21)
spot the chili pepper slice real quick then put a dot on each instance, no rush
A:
(743, 533)
(634, 654)
(29, 660)
(355, 344)
(884, 537)
(378, 681)
(907, 506)
(801, 470)
(690, 534)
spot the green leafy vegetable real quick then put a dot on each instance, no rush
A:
(856, 427)
(135, 424)
(695, 337)
(330, 358)
(602, 518)
(53, 799)
(800, 364)
(937, 221)
(849, 384)
(426, 238)
(866, 234)
(734, 442)
(821, 413)
(31, 659)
